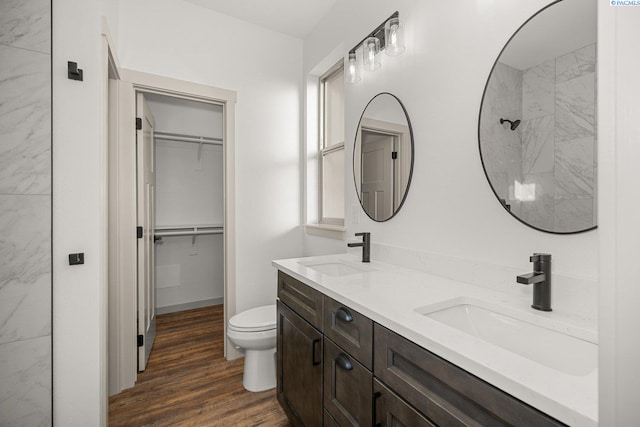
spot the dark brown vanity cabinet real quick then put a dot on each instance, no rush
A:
(338, 368)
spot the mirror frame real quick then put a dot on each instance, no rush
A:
(484, 169)
(355, 183)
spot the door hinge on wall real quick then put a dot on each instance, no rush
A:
(394, 155)
(140, 340)
(138, 123)
(139, 233)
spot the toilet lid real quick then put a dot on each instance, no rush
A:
(255, 319)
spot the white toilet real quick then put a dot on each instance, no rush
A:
(254, 330)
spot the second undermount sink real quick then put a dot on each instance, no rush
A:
(522, 336)
(334, 268)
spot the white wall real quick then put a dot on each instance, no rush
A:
(183, 41)
(618, 212)
(450, 209)
(79, 214)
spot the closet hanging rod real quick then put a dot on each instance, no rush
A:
(187, 138)
(187, 233)
(189, 228)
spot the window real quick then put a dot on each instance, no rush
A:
(331, 163)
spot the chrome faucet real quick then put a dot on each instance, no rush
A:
(366, 246)
(541, 280)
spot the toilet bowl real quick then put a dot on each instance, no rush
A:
(254, 330)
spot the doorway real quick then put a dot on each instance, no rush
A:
(378, 172)
(205, 233)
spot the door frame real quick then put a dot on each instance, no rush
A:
(133, 82)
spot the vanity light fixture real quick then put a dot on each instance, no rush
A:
(387, 36)
(370, 54)
(394, 36)
(353, 70)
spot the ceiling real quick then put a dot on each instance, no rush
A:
(296, 18)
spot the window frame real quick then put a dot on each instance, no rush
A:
(322, 150)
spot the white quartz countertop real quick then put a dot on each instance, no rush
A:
(389, 295)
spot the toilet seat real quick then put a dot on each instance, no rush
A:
(254, 320)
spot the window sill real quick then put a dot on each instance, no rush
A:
(326, 230)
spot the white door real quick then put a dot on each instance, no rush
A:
(146, 185)
(377, 174)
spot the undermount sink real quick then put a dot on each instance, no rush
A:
(557, 350)
(335, 268)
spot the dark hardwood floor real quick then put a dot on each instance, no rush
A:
(188, 382)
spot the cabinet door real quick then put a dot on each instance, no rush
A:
(391, 411)
(301, 298)
(299, 368)
(329, 421)
(350, 330)
(347, 387)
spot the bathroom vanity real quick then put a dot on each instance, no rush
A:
(379, 345)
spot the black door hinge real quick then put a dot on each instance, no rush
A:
(140, 340)
(394, 155)
(139, 233)
(138, 123)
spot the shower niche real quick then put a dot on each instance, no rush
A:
(537, 124)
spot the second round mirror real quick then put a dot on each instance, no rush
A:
(383, 157)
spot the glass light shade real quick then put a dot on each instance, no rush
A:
(370, 51)
(352, 72)
(394, 39)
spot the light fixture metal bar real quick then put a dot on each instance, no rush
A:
(378, 32)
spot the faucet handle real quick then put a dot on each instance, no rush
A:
(363, 234)
(539, 257)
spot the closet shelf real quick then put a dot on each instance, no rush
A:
(187, 138)
(188, 230)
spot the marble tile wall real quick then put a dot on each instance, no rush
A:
(502, 150)
(538, 142)
(558, 141)
(25, 213)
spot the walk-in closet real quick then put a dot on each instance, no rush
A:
(189, 203)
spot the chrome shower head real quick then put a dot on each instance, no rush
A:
(508, 124)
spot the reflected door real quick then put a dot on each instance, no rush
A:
(377, 174)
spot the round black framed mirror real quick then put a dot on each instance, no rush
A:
(537, 123)
(383, 157)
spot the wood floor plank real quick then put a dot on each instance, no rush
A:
(188, 382)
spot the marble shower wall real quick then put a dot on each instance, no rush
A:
(558, 141)
(502, 149)
(25, 213)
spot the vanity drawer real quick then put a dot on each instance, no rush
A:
(350, 330)
(301, 298)
(446, 394)
(347, 387)
(391, 411)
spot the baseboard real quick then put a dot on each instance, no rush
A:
(189, 305)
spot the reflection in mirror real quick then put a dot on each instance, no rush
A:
(383, 157)
(537, 128)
